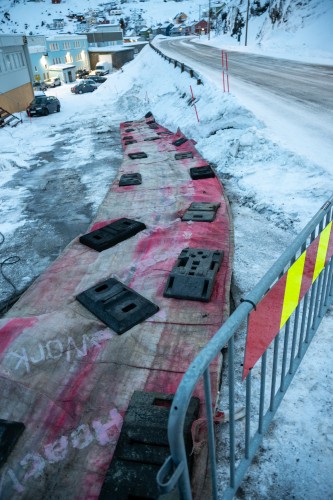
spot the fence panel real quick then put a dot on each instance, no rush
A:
(304, 273)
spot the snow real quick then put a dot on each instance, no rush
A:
(274, 179)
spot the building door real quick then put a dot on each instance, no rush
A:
(70, 77)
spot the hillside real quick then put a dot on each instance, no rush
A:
(272, 23)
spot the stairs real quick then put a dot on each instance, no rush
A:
(7, 118)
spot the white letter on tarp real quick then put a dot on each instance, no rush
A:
(56, 451)
(81, 437)
(35, 464)
(108, 432)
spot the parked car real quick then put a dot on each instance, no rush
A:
(97, 79)
(43, 105)
(82, 88)
(53, 82)
(81, 73)
(39, 86)
(86, 80)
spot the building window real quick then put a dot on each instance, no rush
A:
(66, 45)
(8, 62)
(69, 58)
(11, 61)
(54, 46)
(77, 44)
(21, 59)
(56, 60)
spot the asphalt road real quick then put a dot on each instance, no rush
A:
(294, 99)
(311, 84)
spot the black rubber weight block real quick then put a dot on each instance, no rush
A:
(130, 179)
(9, 435)
(118, 306)
(201, 212)
(203, 206)
(180, 141)
(193, 276)
(137, 156)
(183, 156)
(167, 132)
(143, 446)
(204, 172)
(199, 216)
(112, 234)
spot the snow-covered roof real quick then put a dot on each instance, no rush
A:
(108, 49)
(61, 67)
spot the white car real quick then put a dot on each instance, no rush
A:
(53, 82)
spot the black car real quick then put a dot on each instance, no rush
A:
(39, 86)
(83, 87)
(97, 79)
(43, 105)
(81, 73)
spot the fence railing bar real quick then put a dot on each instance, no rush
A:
(303, 322)
(311, 308)
(294, 339)
(262, 391)
(231, 409)
(248, 415)
(329, 283)
(318, 298)
(211, 433)
(274, 371)
(324, 289)
(285, 354)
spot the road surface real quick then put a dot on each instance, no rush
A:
(294, 99)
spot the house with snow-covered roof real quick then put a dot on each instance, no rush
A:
(58, 56)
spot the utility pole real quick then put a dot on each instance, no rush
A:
(209, 20)
(247, 21)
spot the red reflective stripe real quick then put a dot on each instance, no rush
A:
(264, 325)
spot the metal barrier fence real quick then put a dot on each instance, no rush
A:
(267, 381)
(182, 66)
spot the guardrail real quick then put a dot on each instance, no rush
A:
(182, 66)
(305, 270)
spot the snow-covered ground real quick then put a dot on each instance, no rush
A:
(78, 150)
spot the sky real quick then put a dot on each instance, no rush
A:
(251, 156)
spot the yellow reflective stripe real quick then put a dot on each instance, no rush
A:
(322, 251)
(293, 288)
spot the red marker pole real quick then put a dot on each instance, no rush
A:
(196, 112)
(223, 70)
